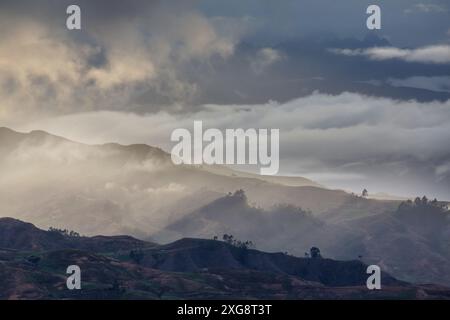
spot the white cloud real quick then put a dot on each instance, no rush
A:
(341, 129)
(438, 54)
(438, 83)
(427, 8)
(381, 141)
(264, 58)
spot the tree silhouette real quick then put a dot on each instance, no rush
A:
(64, 232)
(228, 238)
(315, 252)
(365, 193)
(417, 201)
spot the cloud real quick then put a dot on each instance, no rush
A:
(394, 146)
(123, 52)
(135, 72)
(438, 54)
(146, 56)
(264, 58)
(426, 8)
(438, 84)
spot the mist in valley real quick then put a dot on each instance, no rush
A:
(112, 189)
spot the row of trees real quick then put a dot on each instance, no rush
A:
(314, 252)
(229, 238)
(364, 194)
(64, 232)
(423, 202)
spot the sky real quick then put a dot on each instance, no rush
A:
(356, 108)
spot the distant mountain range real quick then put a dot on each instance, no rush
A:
(33, 265)
(410, 242)
(113, 189)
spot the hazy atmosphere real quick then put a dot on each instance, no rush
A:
(89, 176)
(351, 116)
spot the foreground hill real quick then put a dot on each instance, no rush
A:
(31, 267)
(22, 236)
(195, 255)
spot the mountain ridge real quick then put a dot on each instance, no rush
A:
(185, 269)
(136, 190)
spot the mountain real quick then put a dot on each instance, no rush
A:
(22, 236)
(290, 228)
(118, 189)
(113, 189)
(32, 268)
(195, 255)
(411, 242)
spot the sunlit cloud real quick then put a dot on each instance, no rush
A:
(438, 54)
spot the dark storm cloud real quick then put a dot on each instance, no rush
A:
(305, 65)
(124, 51)
(145, 56)
(404, 22)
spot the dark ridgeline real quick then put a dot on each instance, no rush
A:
(122, 267)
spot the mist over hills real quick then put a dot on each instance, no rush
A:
(113, 189)
(410, 242)
(119, 188)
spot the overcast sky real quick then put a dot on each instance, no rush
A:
(355, 108)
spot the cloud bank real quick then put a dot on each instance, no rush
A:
(130, 51)
(389, 145)
(438, 84)
(426, 8)
(439, 54)
(138, 69)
